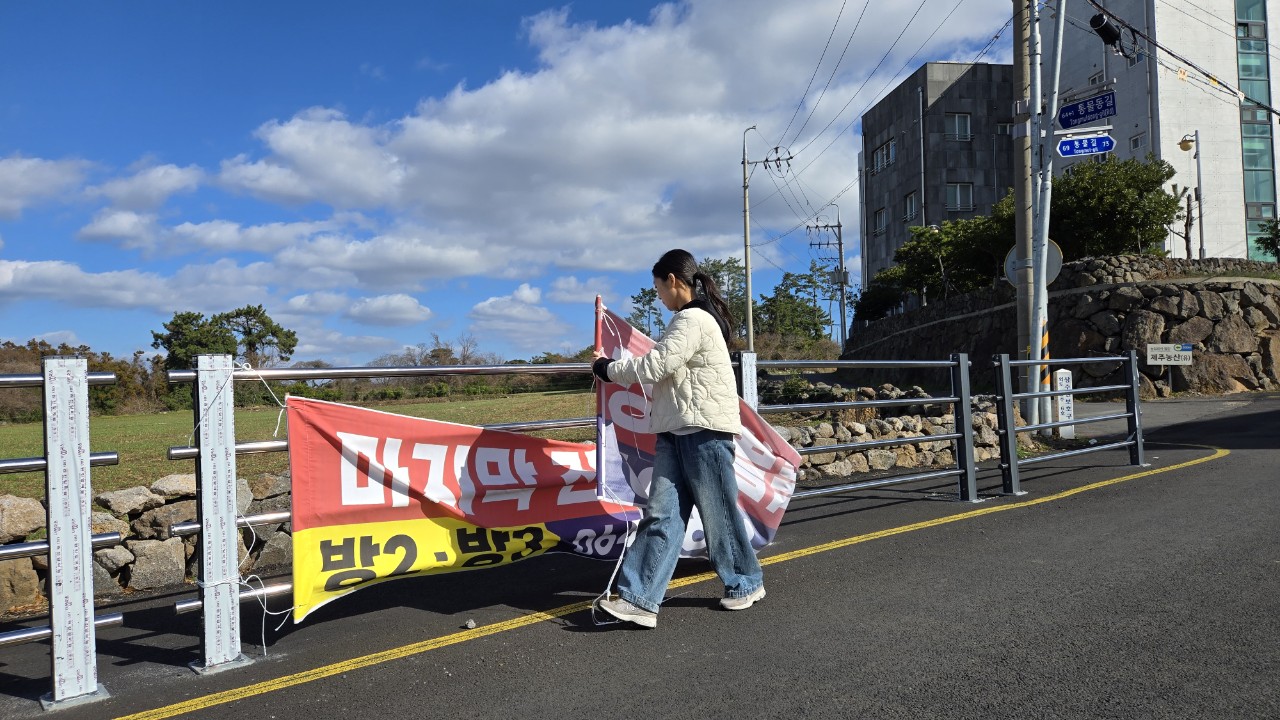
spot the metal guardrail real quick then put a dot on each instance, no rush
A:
(961, 440)
(1009, 462)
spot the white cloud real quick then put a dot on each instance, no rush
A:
(518, 319)
(318, 303)
(215, 287)
(131, 229)
(149, 188)
(226, 236)
(27, 181)
(399, 259)
(319, 155)
(569, 289)
(398, 309)
(58, 337)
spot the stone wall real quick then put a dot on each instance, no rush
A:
(149, 558)
(1228, 309)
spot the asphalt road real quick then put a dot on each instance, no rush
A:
(1107, 591)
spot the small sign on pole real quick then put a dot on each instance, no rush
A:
(1169, 354)
(1066, 403)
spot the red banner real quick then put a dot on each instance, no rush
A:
(377, 495)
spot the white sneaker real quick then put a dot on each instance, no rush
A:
(744, 602)
(627, 612)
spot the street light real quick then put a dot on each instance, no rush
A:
(1185, 144)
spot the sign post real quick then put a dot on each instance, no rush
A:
(1169, 354)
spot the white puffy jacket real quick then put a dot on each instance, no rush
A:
(691, 374)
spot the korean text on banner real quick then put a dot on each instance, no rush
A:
(764, 462)
(377, 496)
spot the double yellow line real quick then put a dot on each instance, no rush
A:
(404, 651)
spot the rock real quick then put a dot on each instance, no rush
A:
(825, 431)
(881, 459)
(857, 428)
(1189, 306)
(129, 501)
(277, 552)
(19, 517)
(822, 458)
(157, 563)
(175, 486)
(103, 583)
(1107, 322)
(906, 456)
(1192, 331)
(1125, 299)
(1232, 335)
(155, 523)
(1211, 305)
(837, 469)
(1085, 307)
(100, 522)
(1215, 374)
(1256, 319)
(1251, 295)
(1141, 328)
(113, 559)
(244, 496)
(19, 584)
(1165, 305)
(1075, 338)
(1269, 345)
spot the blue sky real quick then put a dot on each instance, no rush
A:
(377, 174)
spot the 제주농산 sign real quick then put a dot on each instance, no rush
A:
(1169, 354)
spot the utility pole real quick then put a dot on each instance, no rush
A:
(775, 158)
(842, 277)
(1023, 181)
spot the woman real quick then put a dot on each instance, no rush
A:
(695, 417)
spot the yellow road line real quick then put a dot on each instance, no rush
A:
(404, 651)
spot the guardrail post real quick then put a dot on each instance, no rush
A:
(66, 451)
(219, 544)
(1008, 428)
(964, 426)
(1133, 406)
(747, 378)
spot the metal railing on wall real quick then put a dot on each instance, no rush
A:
(961, 398)
(1009, 461)
(72, 628)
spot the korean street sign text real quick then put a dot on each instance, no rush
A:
(1087, 110)
(1086, 145)
(1169, 354)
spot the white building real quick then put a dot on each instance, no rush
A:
(1162, 100)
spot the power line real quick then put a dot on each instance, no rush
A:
(833, 72)
(816, 68)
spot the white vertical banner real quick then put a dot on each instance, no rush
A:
(219, 542)
(1065, 403)
(66, 450)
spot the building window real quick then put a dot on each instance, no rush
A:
(880, 223)
(1138, 56)
(884, 156)
(1004, 128)
(1096, 78)
(911, 207)
(1257, 153)
(1137, 142)
(957, 127)
(960, 197)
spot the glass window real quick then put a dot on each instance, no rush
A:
(1095, 79)
(1252, 66)
(1004, 128)
(880, 222)
(1257, 153)
(1137, 142)
(960, 196)
(1252, 130)
(957, 126)
(1251, 114)
(1259, 186)
(1259, 90)
(1138, 56)
(1251, 46)
(1264, 211)
(911, 207)
(1251, 10)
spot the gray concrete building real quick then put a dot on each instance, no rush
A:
(938, 147)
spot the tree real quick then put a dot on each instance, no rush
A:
(786, 314)
(190, 334)
(731, 280)
(1112, 207)
(260, 341)
(645, 315)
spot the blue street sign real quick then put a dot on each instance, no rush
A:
(1086, 145)
(1087, 110)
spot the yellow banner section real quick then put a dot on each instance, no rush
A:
(331, 561)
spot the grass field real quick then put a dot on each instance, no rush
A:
(143, 441)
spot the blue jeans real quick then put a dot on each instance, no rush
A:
(690, 470)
